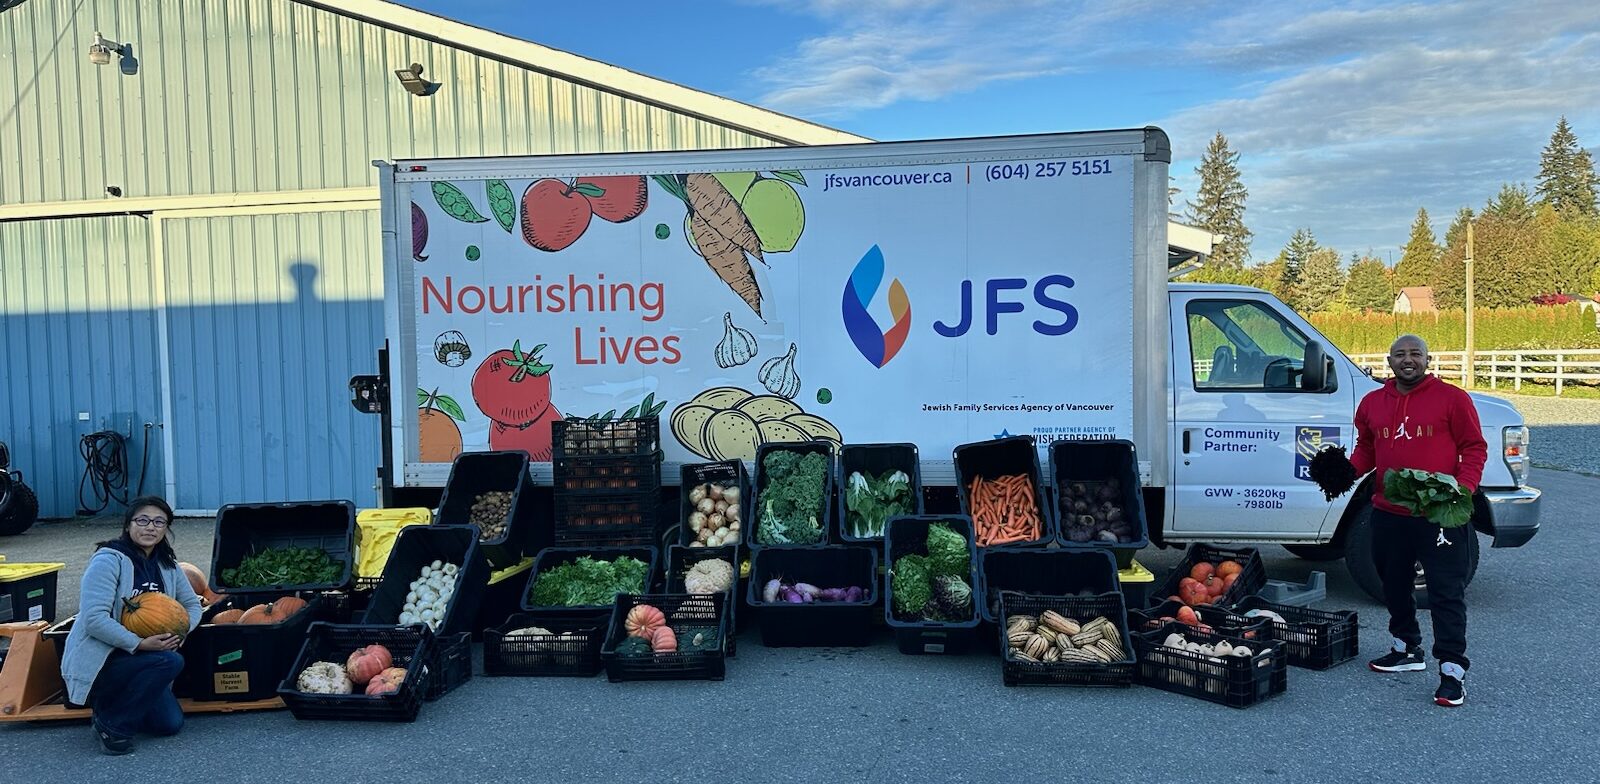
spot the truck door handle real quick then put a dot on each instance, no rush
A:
(1186, 434)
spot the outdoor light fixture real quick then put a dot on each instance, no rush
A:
(411, 79)
(100, 51)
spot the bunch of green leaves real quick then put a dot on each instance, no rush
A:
(870, 501)
(792, 501)
(934, 587)
(1435, 496)
(913, 586)
(588, 582)
(284, 566)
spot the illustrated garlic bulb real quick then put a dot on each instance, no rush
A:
(778, 375)
(738, 346)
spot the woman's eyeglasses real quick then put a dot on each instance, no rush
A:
(150, 522)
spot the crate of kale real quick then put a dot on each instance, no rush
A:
(1213, 575)
(713, 503)
(578, 582)
(1065, 640)
(1099, 502)
(701, 570)
(656, 637)
(1313, 639)
(533, 644)
(793, 500)
(931, 584)
(359, 673)
(1226, 670)
(1206, 617)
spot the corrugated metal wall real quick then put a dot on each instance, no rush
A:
(78, 333)
(235, 96)
(269, 95)
(269, 316)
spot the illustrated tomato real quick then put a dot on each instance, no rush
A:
(533, 438)
(512, 387)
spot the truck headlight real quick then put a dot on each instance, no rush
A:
(1516, 449)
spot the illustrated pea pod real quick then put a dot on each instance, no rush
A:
(502, 203)
(456, 204)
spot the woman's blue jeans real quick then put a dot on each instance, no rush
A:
(133, 694)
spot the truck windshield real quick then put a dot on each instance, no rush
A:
(1241, 345)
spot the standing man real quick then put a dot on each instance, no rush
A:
(1417, 421)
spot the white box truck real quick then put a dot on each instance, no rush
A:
(935, 292)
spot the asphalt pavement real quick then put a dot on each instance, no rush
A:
(872, 714)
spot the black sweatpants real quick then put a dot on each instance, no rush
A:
(1398, 543)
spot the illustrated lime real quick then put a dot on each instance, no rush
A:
(473, 254)
(737, 183)
(824, 396)
(662, 231)
(776, 214)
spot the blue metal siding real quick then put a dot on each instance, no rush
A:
(78, 327)
(270, 315)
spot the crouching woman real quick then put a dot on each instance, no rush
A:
(126, 679)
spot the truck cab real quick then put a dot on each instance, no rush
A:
(1256, 391)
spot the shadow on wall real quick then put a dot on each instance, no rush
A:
(260, 402)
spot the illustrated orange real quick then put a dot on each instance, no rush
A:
(438, 435)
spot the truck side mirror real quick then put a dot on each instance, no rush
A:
(1314, 372)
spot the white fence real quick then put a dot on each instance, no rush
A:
(1494, 368)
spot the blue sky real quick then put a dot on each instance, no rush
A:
(1348, 116)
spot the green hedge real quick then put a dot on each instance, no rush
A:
(1532, 327)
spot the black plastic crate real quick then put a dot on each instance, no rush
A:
(418, 546)
(874, 460)
(730, 473)
(409, 646)
(827, 523)
(449, 665)
(1016, 672)
(686, 615)
(606, 519)
(909, 536)
(680, 558)
(1252, 577)
(1001, 457)
(235, 662)
(1237, 682)
(474, 473)
(502, 598)
(1219, 619)
(822, 624)
(30, 598)
(1055, 572)
(1313, 639)
(1090, 466)
(57, 634)
(611, 474)
(246, 529)
(576, 437)
(571, 649)
(555, 556)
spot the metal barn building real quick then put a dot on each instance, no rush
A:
(189, 230)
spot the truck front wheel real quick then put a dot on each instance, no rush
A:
(1364, 570)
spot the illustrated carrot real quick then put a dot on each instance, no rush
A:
(709, 199)
(727, 260)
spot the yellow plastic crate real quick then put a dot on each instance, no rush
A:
(28, 591)
(12, 572)
(511, 571)
(376, 530)
(1136, 573)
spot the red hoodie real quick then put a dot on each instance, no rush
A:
(1434, 427)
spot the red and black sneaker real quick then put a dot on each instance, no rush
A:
(1452, 691)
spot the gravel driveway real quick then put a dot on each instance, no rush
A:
(1564, 432)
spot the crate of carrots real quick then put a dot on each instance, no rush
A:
(1001, 490)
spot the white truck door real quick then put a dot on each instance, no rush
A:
(1243, 427)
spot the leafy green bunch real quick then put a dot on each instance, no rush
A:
(588, 582)
(870, 501)
(933, 587)
(284, 566)
(792, 501)
(1438, 497)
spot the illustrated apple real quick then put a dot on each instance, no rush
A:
(621, 199)
(555, 214)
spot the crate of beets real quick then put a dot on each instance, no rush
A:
(1000, 487)
(713, 503)
(1313, 639)
(1065, 640)
(534, 644)
(931, 584)
(703, 570)
(359, 673)
(814, 596)
(1099, 502)
(656, 637)
(1213, 575)
(1225, 670)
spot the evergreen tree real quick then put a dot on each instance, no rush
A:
(1295, 254)
(1272, 276)
(1574, 250)
(1566, 174)
(1370, 286)
(1220, 202)
(1420, 257)
(1172, 197)
(1321, 282)
(1512, 203)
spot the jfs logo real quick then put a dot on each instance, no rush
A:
(1308, 441)
(876, 344)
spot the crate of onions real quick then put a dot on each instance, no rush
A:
(714, 499)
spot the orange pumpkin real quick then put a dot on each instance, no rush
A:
(152, 613)
(227, 616)
(664, 640)
(197, 582)
(386, 682)
(643, 620)
(260, 614)
(287, 606)
(367, 663)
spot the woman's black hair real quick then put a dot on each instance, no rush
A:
(163, 551)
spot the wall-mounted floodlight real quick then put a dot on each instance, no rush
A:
(411, 79)
(101, 50)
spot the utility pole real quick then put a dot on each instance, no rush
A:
(1469, 365)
